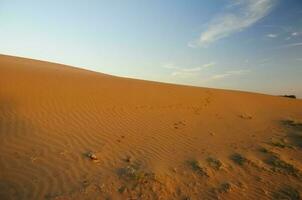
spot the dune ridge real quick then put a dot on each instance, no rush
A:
(152, 140)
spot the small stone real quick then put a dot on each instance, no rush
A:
(246, 116)
(92, 156)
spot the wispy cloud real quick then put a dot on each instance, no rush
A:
(170, 66)
(288, 32)
(185, 72)
(211, 64)
(279, 27)
(271, 35)
(219, 76)
(228, 74)
(188, 69)
(194, 69)
(294, 34)
(265, 61)
(241, 15)
(291, 45)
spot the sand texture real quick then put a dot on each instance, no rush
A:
(68, 133)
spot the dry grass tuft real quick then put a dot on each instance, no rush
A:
(280, 165)
(238, 159)
(196, 166)
(214, 163)
(287, 192)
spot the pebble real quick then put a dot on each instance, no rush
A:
(92, 156)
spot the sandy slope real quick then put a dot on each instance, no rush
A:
(152, 140)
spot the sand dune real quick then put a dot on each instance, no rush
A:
(151, 140)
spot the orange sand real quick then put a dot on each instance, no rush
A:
(151, 140)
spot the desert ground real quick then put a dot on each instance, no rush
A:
(69, 133)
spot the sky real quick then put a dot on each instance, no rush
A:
(250, 45)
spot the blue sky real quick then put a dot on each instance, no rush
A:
(253, 45)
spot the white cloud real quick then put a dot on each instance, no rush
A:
(181, 71)
(170, 66)
(265, 61)
(195, 69)
(183, 74)
(239, 72)
(234, 3)
(272, 35)
(295, 34)
(241, 15)
(176, 73)
(211, 64)
(219, 76)
(227, 74)
(292, 45)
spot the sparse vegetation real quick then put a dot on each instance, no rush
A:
(287, 192)
(282, 166)
(293, 123)
(225, 187)
(280, 143)
(139, 183)
(214, 163)
(296, 139)
(238, 159)
(122, 189)
(289, 96)
(134, 172)
(195, 165)
(294, 134)
(264, 150)
(222, 188)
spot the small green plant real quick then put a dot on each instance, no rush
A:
(238, 159)
(195, 165)
(214, 163)
(287, 192)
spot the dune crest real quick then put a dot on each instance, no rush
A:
(68, 133)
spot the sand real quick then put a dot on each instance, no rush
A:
(69, 133)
